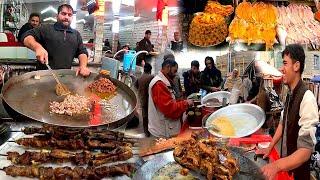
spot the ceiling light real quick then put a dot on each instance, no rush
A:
(116, 7)
(124, 2)
(50, 8)
(128, 2)
(81, 21)
(136, 18)
(73, 22)
(73, 4)
(169, 9)
(50, 19)
(115, 26)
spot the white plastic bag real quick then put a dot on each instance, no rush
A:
(235, 93)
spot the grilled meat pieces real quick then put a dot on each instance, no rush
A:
(205, 156)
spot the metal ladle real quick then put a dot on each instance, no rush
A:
(212, 127)
(61, 89)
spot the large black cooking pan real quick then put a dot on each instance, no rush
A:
(30, 97)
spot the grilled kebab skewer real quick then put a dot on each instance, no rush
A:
(62, 133)
(70, 144)
(44, 173)
(70, 132)
(60, 156)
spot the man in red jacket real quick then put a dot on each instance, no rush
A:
(164, 111)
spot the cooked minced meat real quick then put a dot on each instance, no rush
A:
(102, 85)
(72, 104)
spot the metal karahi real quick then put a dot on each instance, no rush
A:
(30, 97)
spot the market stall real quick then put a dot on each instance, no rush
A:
(62, 125)
(254, 25)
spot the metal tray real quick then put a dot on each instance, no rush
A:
(246, 119)
(217, 95)
(249, 170)
(30, 97)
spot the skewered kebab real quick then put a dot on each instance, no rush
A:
(75, 133)
(44, 173)
(49, 129)
(70, 144)
(60, 156)
(36, 142)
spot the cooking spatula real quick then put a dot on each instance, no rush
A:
(61, 89)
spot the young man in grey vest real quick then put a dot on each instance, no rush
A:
(299, 118)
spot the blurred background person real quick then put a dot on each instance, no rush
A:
(233, 81)
(145, 45)
(142, 84)
(177, 43)
(192, 79)
(211, 76)
(176, 80)
(33, 22)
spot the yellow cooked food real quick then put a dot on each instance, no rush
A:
(210, 28)
(217, 8)
(207, 29)
(254, 23)
(224, 125)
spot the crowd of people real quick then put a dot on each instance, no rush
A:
(162, 96)
(163, 102)
(162, 109)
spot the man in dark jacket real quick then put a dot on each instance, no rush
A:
(145, 45)
(297, 126)
(176, 44)
(176, 79)
(211, 76)
(142, 84)
(33, 22)
(192, 79)
(58, 44)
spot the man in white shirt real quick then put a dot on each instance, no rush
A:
(297, 127)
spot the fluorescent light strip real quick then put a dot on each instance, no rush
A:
(81, 21)
(73, 22)
(50, 19)
(124, 2)
(129, 18)
(73, 4)
(128, 2)
(116, 7)
(169, 9)
(50, 8)
(115, 26)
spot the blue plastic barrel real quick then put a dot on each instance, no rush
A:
(127, 59)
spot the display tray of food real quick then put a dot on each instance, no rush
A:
(93, 101)
(254, 23)
(52, 152)
(199, 159)
(209, 28)
(297, 24)
(235, 121)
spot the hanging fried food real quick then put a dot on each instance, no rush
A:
(244, 10)
(254, 23)
(214, 7)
